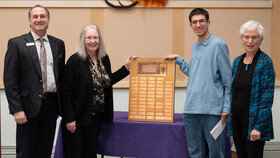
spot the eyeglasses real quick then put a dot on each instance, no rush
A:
(89, 38)
(201, 21)
(247, 37)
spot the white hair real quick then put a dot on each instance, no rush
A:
(81, 49)
(252, 25)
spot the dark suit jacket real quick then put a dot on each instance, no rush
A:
(77, 90)
(22, 73)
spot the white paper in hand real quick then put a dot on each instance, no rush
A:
(218, 129)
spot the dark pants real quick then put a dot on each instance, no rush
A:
(83, 142)
(248, 149)
(34, 139)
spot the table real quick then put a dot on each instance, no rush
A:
(125, 138)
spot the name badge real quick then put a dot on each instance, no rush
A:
(30, 44)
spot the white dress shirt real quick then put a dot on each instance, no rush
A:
(51, 86)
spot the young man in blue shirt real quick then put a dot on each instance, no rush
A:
(208, 90)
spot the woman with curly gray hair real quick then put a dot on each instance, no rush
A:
(252, 92)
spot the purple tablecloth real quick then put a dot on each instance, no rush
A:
(141, 139)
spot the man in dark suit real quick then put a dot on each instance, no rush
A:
(33, 67)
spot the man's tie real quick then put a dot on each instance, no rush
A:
(43, 63)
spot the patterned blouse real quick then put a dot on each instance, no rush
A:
(100, 80)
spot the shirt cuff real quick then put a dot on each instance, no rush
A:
(226, 110)
(179, 60)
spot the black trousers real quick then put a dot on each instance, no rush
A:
(248, 149)
(83, 142)
(34, 139)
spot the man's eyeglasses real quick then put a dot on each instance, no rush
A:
(200, 21)
(246, 37)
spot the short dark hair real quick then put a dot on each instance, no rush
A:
(38, 5)
(199, 11)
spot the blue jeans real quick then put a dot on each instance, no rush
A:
(198, 127)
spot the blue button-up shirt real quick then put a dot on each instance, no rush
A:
(209, 82)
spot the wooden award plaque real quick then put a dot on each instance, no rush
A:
(151, 90)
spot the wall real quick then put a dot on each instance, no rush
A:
(146, 32)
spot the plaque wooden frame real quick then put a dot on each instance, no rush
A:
(151, 90)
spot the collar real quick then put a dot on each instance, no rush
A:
(206, 41)
(256, 57)
(36, 37)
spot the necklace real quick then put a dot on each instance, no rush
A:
(246, 68)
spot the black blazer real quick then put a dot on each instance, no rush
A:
(22, 73)
(77, 90)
